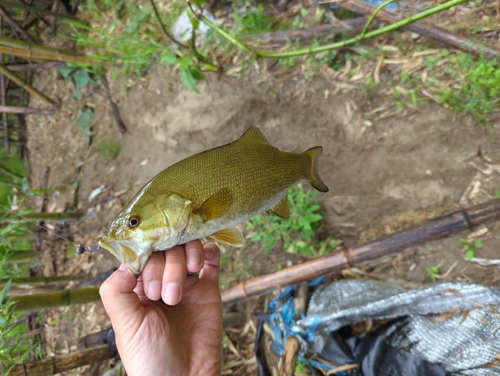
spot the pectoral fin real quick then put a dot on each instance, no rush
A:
(216, 205)
(231, 236)
(282, 208)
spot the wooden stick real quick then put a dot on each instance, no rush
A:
(114, 108)
(57, 364)
(285, 36)
(27, 110)
(439, 228)
(18, 80)
(432, 32)
(292, 346)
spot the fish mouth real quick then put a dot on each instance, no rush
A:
(125, 252)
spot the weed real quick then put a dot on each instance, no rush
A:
(296, 232)
(368, 87)
(433, 271)
(108, 148)
(470, 248)
(497, 194)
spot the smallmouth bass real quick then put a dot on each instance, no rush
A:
(207, 195)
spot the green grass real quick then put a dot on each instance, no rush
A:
(470, 247)
(298, 233)
(108, 148)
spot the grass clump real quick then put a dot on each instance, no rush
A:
(108, 148)
(297, 232)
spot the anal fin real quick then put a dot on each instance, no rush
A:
(282, 208)
(231, 236)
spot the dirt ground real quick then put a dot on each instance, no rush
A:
(387, 168)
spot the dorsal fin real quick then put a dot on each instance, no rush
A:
(254, 135)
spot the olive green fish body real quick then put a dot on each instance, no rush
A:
(207, 195)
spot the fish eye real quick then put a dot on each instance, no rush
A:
(133, 221)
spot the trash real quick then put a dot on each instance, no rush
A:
(465, 341)
(183, 27)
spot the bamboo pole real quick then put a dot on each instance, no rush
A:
(43, 280)
(36, 51)
(18, 80)
(44, 216)
(439, 228)
(54, 299)
(57, 364)
(27, 110)
(432, 32)
(24, 255)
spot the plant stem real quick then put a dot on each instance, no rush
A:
(44, 216)
(333, 46)
(374, 14)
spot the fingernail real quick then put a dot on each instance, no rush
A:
(194, 257)
(154, 290)
(209, 248)
(172, 294)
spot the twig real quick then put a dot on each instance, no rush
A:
(27, 110)
(114, 108)
(432, 32)
(6, 171)
(14, 25)
(438, 228)
(18, 80)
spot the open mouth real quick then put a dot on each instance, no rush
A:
(124, 251)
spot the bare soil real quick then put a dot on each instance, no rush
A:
(387, 168)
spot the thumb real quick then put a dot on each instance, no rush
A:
(117, 295)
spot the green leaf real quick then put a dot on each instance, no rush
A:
(196, 73)
(167, 58)
(5, 290)
(188, 80)
(470, 254)
(200, 2)
(66, 72)
(84, 122)
(497, 194)
(478, 244)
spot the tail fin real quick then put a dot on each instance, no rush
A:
(313, 154)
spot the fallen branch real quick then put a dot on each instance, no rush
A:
(114, 108)
(439, 228)
(432, 32)
(328, 31)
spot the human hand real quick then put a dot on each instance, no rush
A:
(181, 338)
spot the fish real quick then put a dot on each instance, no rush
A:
(207, 195)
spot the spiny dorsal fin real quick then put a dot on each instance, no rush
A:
(254, 135)
(216, 205)
(282, 208)
(231, 236)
